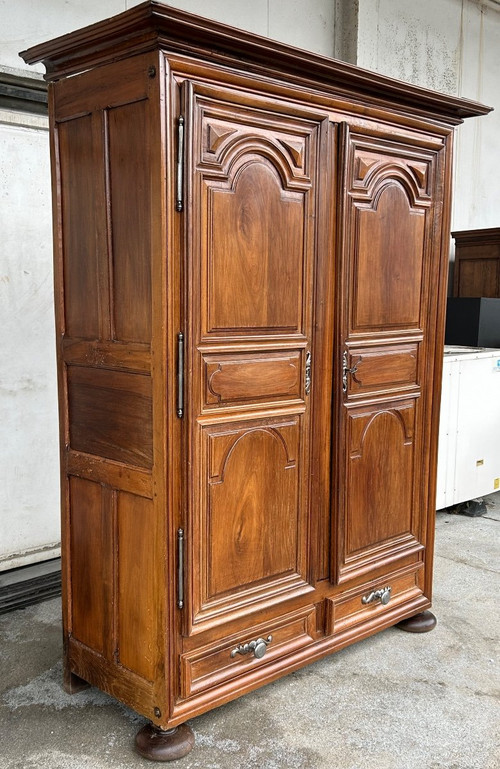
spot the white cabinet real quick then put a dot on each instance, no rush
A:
(469, 431)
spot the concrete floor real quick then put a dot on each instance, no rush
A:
(394, 701)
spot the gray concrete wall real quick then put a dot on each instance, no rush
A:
(29, 494)
(452, 46)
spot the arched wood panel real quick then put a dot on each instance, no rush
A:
(255, 252)
(253, 508)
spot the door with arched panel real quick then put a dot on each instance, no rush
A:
(389, 258)
(252, 233)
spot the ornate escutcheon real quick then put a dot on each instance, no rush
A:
(346, 370)
(307, 376)
(258, 647)
(383, 595)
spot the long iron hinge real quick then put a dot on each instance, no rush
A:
(180, 375)
(180, 568)
(179, 202)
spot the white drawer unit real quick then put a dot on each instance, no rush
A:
(469, 430)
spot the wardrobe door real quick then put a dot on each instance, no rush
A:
(390, 232)
(251, 233)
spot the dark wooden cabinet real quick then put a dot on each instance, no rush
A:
(251, 258)
(477, 263)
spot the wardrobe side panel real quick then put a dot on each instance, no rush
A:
(103, 176)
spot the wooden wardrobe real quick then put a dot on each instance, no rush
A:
(251, 255)
(477, 263)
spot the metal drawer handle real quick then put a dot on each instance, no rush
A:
(383, 595)
(258, 647)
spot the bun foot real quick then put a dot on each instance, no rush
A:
(159, 745)
(420, 623)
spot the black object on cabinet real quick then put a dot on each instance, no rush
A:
(473, 321)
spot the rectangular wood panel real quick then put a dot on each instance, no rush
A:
(110, 414)
(81, 255)
(132, 479)
(252, 377)
(90, 527)
(103, 87)
(478, 277)
(106, 354)
(137, 622)
(382, 369)
(130, 198)
(477, 263)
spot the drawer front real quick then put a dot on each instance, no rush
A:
(373, 599)
(231, 379)
(384, 369)
(236, 656)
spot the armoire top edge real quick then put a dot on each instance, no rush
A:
(154, 25)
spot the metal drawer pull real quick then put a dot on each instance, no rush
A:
(383, 595)
(258, 647)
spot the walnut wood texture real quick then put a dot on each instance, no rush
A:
(387, 269)
(477, 263)
(307, 273)
(104, 310)
(252, 225)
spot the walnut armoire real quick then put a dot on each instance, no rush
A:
(251, 255)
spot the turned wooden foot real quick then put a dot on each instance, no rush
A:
(420, 623)
(159, 745)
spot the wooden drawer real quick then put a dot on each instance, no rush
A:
(217, 663)
(356, 607)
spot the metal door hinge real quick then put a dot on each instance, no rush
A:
(179, 202)
(180, 375)
(180, 568)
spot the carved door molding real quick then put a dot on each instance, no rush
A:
(386, 321)
(251, 239)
